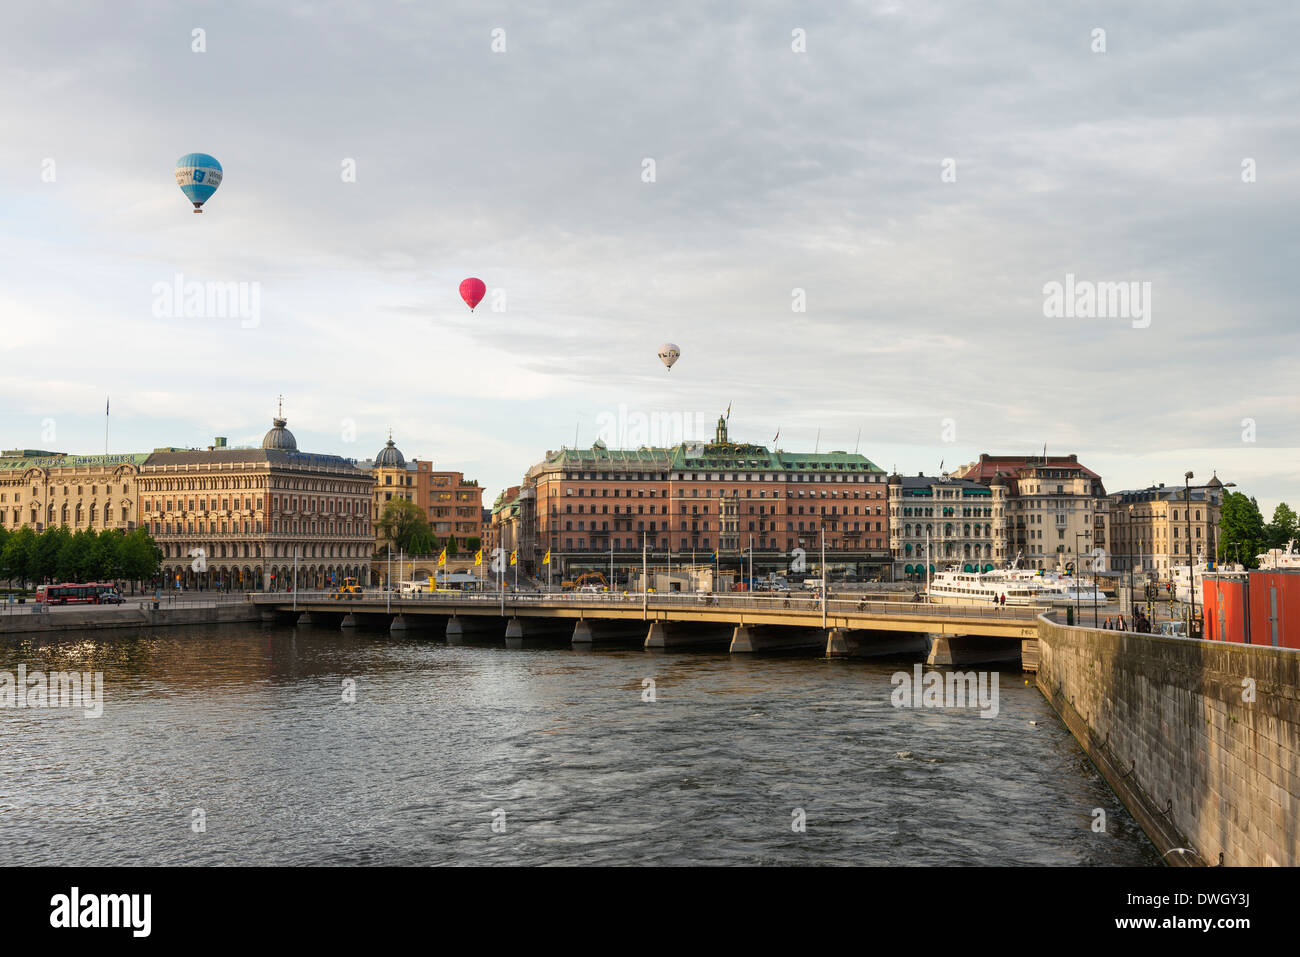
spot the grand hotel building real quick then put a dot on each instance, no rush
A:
(686, 501)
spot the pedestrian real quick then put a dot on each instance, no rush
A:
(1107, 626)
(1122, 627)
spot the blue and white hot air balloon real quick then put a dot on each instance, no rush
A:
(198, 175)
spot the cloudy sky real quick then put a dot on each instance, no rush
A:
(775, 169)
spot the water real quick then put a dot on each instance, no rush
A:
(249, 724)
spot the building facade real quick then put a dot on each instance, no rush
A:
(1151, 528)
(237, 519)
(1057, 510)
(938, 522)
(451, 503)
(593, 507)
(44, 490)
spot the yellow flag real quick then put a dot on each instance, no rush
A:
(478, 557)
(546, 559)
(442, 558)
(514, 556)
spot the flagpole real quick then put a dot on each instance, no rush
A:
(106, 425)
(645, 584)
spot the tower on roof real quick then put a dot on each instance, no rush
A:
(720, 436)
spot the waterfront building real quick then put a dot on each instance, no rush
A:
(961, 521)
(1057, 510)
(451, 503)
(236, 518)
(593, 506)
(44, 490)
(1150, 527)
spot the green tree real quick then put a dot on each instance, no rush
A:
(108, 555)
(473, 544)
(1284, 527)
(141, 556)
(451, 546)
(1242, 533)
(76, 559)
(18, 558)
(404, 525)
(49, 546)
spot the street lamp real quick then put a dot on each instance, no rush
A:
(1187, 518)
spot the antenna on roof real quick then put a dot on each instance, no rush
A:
(818, 443)
(858, 442)
(575, 432)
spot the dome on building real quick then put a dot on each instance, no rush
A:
(390, 456)
(1214, 481)
(279, 437)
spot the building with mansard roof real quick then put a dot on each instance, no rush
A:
(238, 519)
(684, 502)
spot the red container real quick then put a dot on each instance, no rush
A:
(1264, 610)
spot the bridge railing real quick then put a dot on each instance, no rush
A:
(660, 602)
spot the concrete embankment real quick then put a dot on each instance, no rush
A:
(1199, 739)
(105, 618)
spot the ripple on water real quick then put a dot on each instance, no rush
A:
(251, 727)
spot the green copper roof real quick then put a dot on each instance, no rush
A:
(731, 456)
(48, 461)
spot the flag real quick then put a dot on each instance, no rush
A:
(715, 554)
(546, 559)
(776, 437)
(442, 558)
(478, 557)
(728, 411)
(514, 556)
(105, 405)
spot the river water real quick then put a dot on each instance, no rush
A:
(482, 755)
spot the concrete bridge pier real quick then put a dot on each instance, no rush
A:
(533, 631)
(675, 634)
(461, 631)
(349, 621)
(593, 632)
(398, 625)
(969, 650)
(748, 639)
(862, 643)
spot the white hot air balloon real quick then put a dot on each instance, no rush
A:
(668, 354)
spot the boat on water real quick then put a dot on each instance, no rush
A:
(983, 588)
(1178, 575)
(1279, 558)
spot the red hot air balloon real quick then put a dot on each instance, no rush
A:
(472, 291)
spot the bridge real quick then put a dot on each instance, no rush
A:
(947, 634)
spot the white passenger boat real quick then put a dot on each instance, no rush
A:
(1277, 558)
(984, 588)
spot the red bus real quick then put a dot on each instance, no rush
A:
(69, 593)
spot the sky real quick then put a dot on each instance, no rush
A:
(847, 216)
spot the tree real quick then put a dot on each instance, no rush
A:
(1241, 529)
(18, 558)
(406, 528)
(140, 556)
(1284, 527)
(451, 546)
(49, 546)
(108, 555)
(76, 560)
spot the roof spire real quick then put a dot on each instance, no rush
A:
(279, 408)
